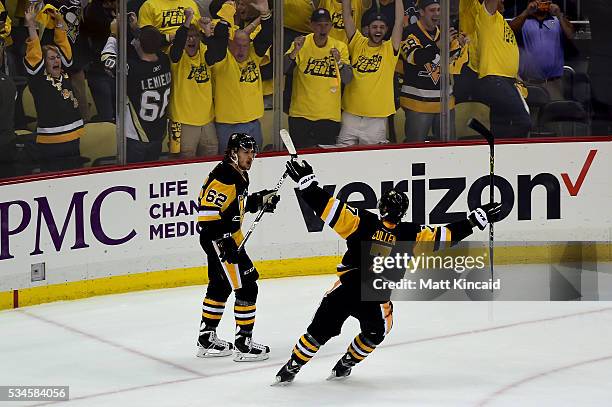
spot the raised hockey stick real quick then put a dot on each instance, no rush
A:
(474, 124)
(286, 138)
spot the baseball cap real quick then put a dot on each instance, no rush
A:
(424, 3)
(320, 15)
(371, 17)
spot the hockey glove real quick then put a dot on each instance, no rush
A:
(301, 173)
(485, 214)
(267, 199)
(228, 251)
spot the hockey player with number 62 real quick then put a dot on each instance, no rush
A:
(223, 201)
(365, 233)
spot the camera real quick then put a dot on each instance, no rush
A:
(544, 6)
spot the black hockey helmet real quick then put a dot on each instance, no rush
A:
(242, 140)
(393, 206)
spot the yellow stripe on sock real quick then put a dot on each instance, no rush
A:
(211, 316)
(362, 345)
(246, 322)
(244, 307)
(308, 344)
(300, 355)
(355, 354)
(213, 302)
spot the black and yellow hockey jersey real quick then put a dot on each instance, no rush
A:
(148, 91)
(59, 119)
(420, 55)
(368, 236)
(222, 203)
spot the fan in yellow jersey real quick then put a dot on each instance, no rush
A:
(420, 92)
(191, 112)
(166, 15)
(318, 65)
(242, 16)
(238, 90)
(60, 125)
(494, 57)
(368, 99)
(223, 201)
(335, 10)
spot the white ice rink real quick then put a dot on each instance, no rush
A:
(138, 349)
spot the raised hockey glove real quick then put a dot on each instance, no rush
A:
(485, 214)
(301, 173)
(267, 199)
(228, 251)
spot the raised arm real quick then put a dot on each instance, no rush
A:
(517, 23)
(33, 59)
(263, 40)
(566, 26)
(217, 44)
(180, 39)
(341, 217)
(289, 60)
(398, 25)
(349, 22)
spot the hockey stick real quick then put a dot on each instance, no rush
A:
(474, 124)
(286, 138)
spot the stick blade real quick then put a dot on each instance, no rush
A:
(476, 125)
(284, 135)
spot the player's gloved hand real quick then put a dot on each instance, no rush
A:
(228, 251)
(301, 173)
(485, 214)
(267, 199)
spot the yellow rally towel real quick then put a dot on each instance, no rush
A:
(45, 18)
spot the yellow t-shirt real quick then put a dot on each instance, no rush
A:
(166, 15)
(335, 9)
(296, 15)
(370, 93)
(495, 51)
(316, 89)
(238, 90)
(191, 100)
(5, 33)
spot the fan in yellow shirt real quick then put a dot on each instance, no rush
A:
(318, 65)
(494, 56)
(335, 10)
(166, 15)
(238, 92)
(191, 126)
(368, 99)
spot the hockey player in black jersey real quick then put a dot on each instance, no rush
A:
(362, 230)
(223, 201)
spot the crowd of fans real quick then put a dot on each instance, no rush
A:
(200, 70)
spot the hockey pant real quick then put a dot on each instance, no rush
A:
(223, 278)
(339, 303)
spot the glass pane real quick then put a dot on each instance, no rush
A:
(57, 109)
(540, 72)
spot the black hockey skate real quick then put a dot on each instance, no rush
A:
(210, 346)
(249, 351)
(287, 373)
(342, 370)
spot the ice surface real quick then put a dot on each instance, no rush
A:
(138, 349)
